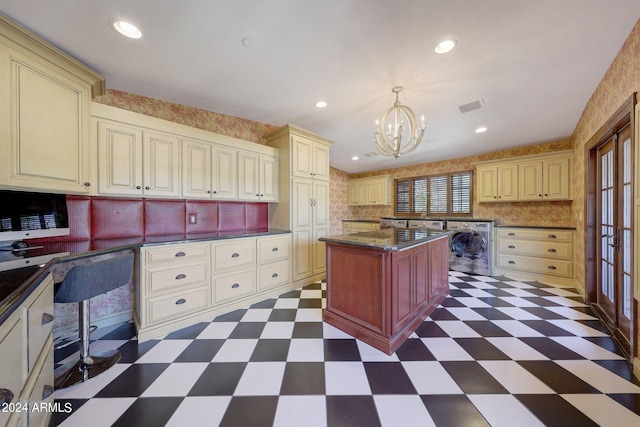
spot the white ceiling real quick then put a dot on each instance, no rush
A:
(533, 63)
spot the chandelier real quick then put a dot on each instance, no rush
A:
(402, 124)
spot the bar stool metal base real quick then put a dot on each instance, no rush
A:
(81, 370)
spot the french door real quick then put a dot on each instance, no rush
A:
(614, 195)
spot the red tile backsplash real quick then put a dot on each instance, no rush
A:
(206, 215)
(116, 218)
(232, 216)
(163, 217)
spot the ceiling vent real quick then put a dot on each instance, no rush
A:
(371, 154)
(471, 106)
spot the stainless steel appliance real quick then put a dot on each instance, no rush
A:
(427, 223)
(470, 246)
(393, 223)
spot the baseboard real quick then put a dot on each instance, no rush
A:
(527, 276)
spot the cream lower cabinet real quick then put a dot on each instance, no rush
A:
(182, 284)
(542, 253)
(45, 101)
(350, 227)
(26, 352)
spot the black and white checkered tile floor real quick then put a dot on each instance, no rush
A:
(497, 352)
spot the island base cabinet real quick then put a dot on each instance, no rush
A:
(381, 296)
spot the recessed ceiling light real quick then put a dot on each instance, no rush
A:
(127, 29)
(321, 104)
(355, 158)
(247, 42)
(445, 46)
(481, 129)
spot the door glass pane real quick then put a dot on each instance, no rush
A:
(626, 243)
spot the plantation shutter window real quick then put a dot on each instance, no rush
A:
(434, 195)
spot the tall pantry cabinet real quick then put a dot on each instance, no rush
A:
(303, 205)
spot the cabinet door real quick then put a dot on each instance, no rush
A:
(303, 253)
(422, 277)
(508, 183)
(248, 176)
(268, 179)
(555, 179)
(401, 290)
(119, 159)
(320, 204)
(161, 155)
(320, 162)
(302, 195)
(438, 267)
(319, 250)
(353, 193)
(196, 169)
(44, 126)
(301, 157)
(224, 184)
(370, 192)
(530, 180)
(487, 183)
(382, 192)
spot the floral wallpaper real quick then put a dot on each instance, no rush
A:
(620, 81)
(522, 213)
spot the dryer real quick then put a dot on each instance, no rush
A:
(471, 245)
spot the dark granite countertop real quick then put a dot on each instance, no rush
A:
(17, 283)
(388, 239)
(549, 227)
(437, 218)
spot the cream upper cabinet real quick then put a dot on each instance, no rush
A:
(310, 159)
(45, 99)
(545, 179)
(132, 161)
(529, 178)
(497, 183)
(258, 177)
(208, 171)
(370, 191)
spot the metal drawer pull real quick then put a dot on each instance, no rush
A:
(552, 250)
(6, 396)
(274, 249)
(181, 276)
(46, 318)
(511, 262)
(235, 255)
(181, 301)
(274, 275)
(179, 254)
(511, 234)
(235, 286)
(47, 391)
(551, 236)
(552, 267)
(511, 247)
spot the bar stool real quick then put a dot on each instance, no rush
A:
(82, 283)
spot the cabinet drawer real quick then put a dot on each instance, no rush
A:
(234, 285)
(555, 250)
(40, 322)
(177, 253)
(551, 267)
(535, 234)
(234, 254)
(274, 248)
(160, 279)
(273, 274)
(177, 304)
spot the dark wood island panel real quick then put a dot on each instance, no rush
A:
(380, 293)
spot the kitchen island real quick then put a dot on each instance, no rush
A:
(382, 284)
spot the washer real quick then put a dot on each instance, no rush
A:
(470, 246)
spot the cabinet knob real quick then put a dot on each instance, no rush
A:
(274, 249)
(499, 197)
(6, 396)
(274, 275)
(47, 391)
(551, 236)
(209, 191)
(235, 286)
(181, 276)
(552, 267)
(539, 195)
(546, 195)
(147, 188)
(181, 301)
(553, 251)
(46, 318)
(215, 192)
(138, 187)
(235, 255)
(180, 254)
(87, 184)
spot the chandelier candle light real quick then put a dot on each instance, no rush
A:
(390, 143)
